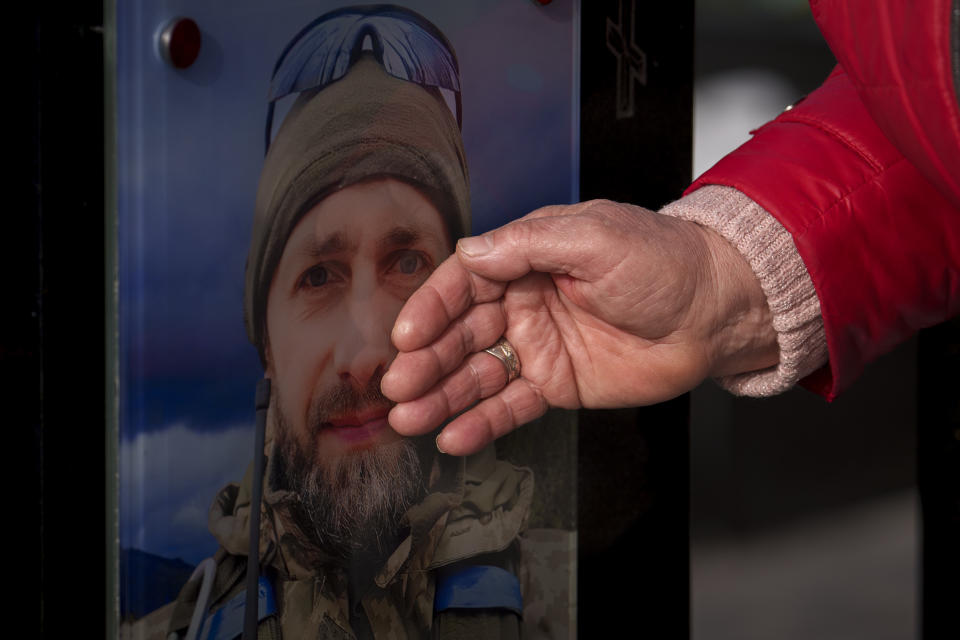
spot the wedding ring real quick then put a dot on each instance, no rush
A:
(506, 354)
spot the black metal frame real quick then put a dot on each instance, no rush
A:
(633, 565)
(56, 359)
(938, 476)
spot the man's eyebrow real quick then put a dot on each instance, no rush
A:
(333, 243)
(399, 237)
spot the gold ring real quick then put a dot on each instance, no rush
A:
(506, 354)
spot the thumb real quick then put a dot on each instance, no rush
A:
(554, 244)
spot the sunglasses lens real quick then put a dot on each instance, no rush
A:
(315, 59)
(411, 53)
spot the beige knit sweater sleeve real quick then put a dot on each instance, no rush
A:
(772, 255)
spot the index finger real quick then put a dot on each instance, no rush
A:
(451, 289)
(442, 298)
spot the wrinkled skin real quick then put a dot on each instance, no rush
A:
(607, 305)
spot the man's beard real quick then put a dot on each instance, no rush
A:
(352, 502)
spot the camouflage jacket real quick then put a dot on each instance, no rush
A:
(474, 513)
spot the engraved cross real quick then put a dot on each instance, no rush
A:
(631, 60)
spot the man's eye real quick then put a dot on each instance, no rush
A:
(316, 277)
(409, 263)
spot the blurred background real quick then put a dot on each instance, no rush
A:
(804, 514)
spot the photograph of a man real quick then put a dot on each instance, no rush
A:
(363, 192)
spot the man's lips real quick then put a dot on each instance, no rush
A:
(359, 418)
(358, 427)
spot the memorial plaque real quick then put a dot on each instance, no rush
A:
(232, 133)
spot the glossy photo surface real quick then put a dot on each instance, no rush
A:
(281, 192)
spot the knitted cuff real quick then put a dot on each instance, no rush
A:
(769, 249)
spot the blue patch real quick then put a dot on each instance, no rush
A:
(479, 587)
(227, 622)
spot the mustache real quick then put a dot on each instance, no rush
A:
(345, 398)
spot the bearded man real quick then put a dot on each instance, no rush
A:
(364, 533)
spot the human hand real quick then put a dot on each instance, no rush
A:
(606, 304)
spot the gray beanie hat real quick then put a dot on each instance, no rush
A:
(365, 126)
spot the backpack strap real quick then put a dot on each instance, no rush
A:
(228, 591)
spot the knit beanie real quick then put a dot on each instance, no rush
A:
(365, 126)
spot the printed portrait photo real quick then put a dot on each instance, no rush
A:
(279, 201)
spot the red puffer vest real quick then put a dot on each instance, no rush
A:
(865, 175)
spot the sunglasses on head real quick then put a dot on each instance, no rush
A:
(406, 45)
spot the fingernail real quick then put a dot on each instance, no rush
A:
(475, 245)
(437, 442)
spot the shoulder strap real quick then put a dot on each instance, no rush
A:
(478, 587)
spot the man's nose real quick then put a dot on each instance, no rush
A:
(364, 349)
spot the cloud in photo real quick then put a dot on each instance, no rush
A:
(168, 479)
